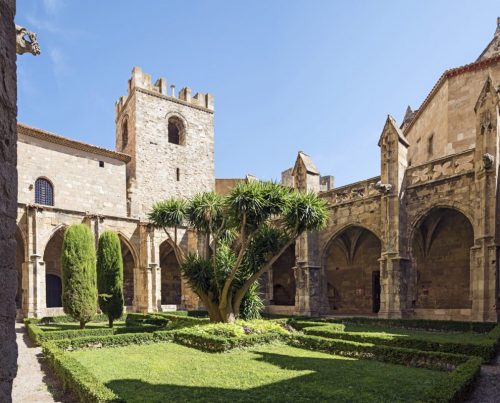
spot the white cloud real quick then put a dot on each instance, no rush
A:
(59, 63)
(53, 6)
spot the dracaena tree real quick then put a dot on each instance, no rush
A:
(245, 232)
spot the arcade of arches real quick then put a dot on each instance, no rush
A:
(128, 273)
(171, 285)
(441, 252)
(353, 273)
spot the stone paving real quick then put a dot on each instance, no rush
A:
(33, 383)
(487, 388)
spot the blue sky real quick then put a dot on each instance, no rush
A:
(287, 75)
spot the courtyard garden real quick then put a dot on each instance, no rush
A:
(182, 356)
(229, 352)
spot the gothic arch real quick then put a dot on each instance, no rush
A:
(130, 262)
(352, 270)
(171, 281)
(52, 261)
(440, 245)
(421, 215)
(283, 277)
(340, 230)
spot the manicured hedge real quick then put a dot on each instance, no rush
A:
(393, 355)
(116, 340)
(485, 349)
(163, 318)
(38, 335)
(420, 324)
(197, 313)
(458, 383)
(463, 370)
(73, 376)
(67, 319)
(138, 319)
(219, 344)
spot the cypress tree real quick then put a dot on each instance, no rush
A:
(79, 292)
(110, 276)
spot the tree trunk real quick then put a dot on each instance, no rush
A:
(110, 321)
(226, 312)
(82, 324)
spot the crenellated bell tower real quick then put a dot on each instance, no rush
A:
(170, 137)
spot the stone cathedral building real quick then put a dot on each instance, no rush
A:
(420, 240)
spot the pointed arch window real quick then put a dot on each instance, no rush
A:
(44, 192)
(124, 133)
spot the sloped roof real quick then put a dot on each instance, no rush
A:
(476, 66)
(493, 48)
(77, 145)
(308, 163)
(393, 125)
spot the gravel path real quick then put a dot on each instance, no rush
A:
(487, 389)
(34, 381)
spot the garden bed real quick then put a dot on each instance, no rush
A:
(453, 374)
(170, 372)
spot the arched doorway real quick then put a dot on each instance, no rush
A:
(171, 288)
(284, 278)
(353, 271)
(441, 256)
(20, 258)
(128, 272)
(52, 259)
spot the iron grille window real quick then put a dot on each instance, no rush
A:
(44, 192)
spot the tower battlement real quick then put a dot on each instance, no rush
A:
(142, 80)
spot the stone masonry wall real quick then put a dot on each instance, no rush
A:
(449, 117)
(8, 184)
(79, 182)
(153, 170)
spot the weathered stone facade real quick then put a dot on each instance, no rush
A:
(419, 240)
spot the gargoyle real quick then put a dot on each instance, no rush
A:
(26, 42)
(383, 187)
(488, 160)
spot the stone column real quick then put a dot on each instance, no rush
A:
(39, 285)
(310, 292)
(484, 253)
(394, 263)
(143, 274)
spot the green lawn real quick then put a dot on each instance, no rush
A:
(428, 335)
(170, 372)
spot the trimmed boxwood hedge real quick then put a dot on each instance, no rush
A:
(67, 319)
(485, 349)
(117, 340)
(38, 335)
(219, 344)
(75, 377)
(419, 324)
(163, 318)
(463, 370)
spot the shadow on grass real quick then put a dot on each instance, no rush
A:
(335, 380)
